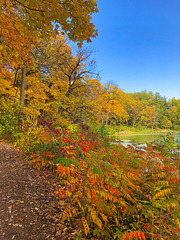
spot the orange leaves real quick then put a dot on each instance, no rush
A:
(41, 161)
(143, 236)
(71, 171)
(68, 150)
(105, 186)
(146, 226)
(16, 45)
(77, 147)
(44, 136)
(61, 170)
(133, 236)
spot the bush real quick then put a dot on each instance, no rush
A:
(176, 127)
(115, 193)
(9, 118)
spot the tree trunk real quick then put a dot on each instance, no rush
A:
(23, 85)
(16, 81)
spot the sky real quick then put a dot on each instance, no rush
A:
(138, 45)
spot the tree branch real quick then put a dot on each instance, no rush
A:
(32, 9)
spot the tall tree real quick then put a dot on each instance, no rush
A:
(24, 22)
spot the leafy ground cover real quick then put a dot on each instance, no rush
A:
(109, 192)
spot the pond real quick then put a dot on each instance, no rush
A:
(142, 139)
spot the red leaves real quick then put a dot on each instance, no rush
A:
(66, 140)
(113, 190)
(60, 194)
(49, 154)
(107, 185)
(84, 150)
(60, 169)
(146, 226)
(34, 155)
(122, 209)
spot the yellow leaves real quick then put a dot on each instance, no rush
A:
(104, 217)
(32, 112)
(94, 216)
(133, 177)
(163, 193)
(78, 29)
(160, 175)
(85, 225)
(66, 214)
(116, 220)
(147, 115)
(163, 183)
(174, 109)
(108, 196)
(1, 3)
(6, 87)
(126, 195)
(178, 222)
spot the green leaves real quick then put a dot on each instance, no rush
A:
(64, 161)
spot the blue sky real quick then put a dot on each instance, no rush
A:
(138, 45)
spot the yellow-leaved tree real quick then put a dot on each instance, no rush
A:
(23, 23)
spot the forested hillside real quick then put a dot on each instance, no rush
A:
(52, 100)
(53, 80)
(40, 72)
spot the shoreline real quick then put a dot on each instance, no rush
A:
(130, 133)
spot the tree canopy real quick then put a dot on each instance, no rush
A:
(39, 19)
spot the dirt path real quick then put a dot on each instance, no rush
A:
(28, 208)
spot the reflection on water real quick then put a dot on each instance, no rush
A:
(142, 139)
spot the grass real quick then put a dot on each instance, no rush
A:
(127, 130)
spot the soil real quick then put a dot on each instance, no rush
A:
(28, 207)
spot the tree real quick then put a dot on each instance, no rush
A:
(113, 106)
(41, 19)
(23, 23)
(159, 104)
(165, 122)
(134, 111)
(148, 116)
(68, 79)
(175, 111)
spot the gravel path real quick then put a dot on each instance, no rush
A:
(28, 208)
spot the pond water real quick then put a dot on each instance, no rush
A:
(142, 139)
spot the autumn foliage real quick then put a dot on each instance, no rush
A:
(111, 192)
(51, 103)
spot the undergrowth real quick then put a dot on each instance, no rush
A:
(109, 192)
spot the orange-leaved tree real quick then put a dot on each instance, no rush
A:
(23, 23)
